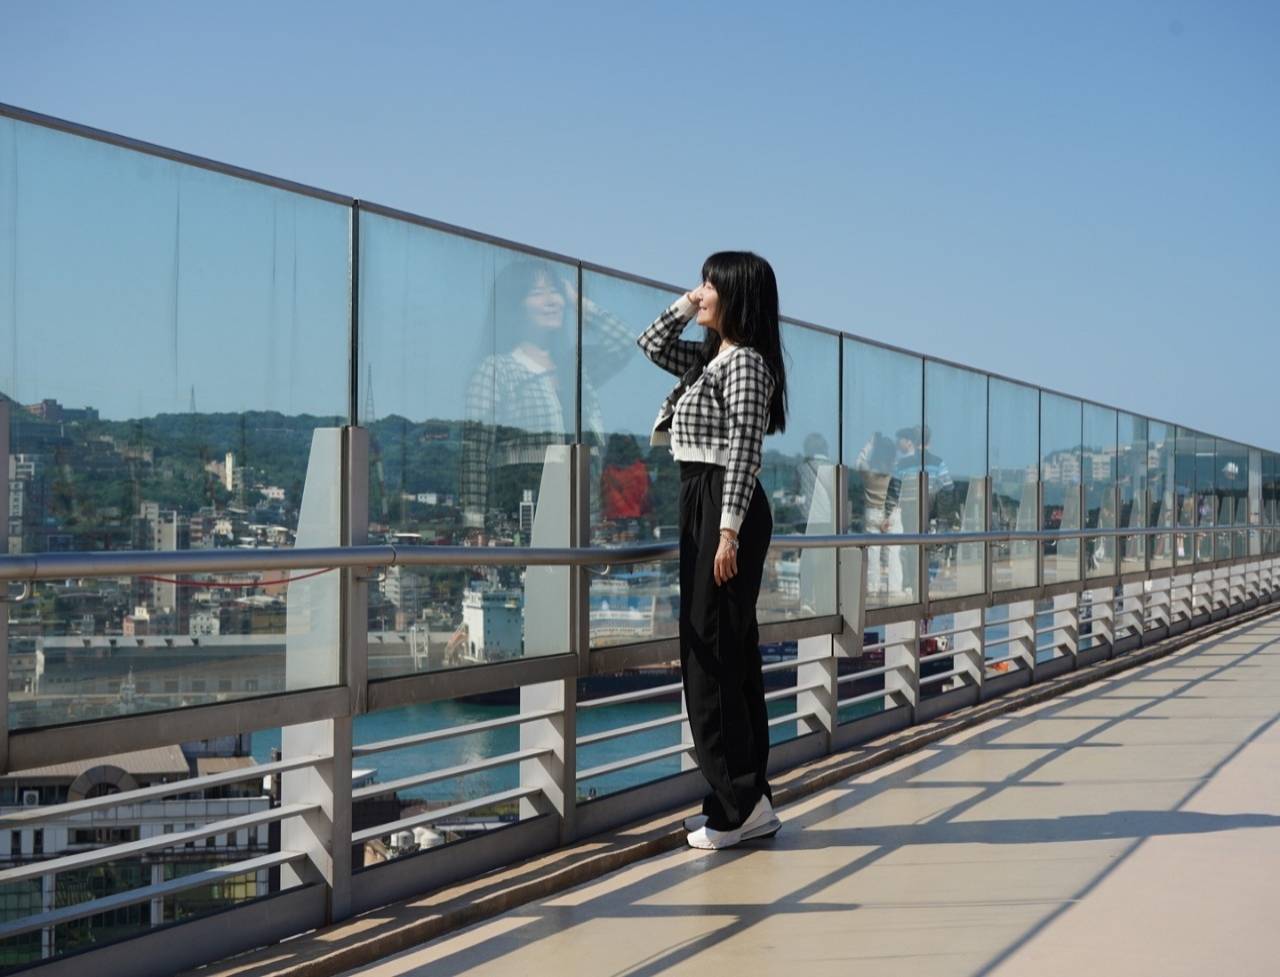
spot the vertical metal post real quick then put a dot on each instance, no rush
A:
(577, 390)
(1082, 542)
(902, 654)
(816, 656)
(840, 400)
(580, 577)
(922, 552)
(1117, 542)
(353, 337)
(549, 609)
(1039, 526)
(320, 622)
(355, 532)
(1148, 542)
(988, 549)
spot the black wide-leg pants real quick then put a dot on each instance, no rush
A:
(720, 647)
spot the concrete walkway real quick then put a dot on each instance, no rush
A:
(1128, 828)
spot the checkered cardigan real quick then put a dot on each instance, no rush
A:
(718, 413)
(513, 412)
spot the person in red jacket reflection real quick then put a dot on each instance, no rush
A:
(624, 482)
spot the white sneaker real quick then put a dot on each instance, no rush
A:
(712, 839)
(761, 823)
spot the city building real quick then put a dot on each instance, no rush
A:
(137, 821)
(494, 621)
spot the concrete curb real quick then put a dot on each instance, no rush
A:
(383, 932)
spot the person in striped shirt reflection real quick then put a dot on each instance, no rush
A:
(732, 392)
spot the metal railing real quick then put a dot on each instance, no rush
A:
(548, 791)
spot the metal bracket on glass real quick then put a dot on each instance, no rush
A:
(922, 552)
(988, 549)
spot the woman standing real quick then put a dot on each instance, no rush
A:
(732, 392)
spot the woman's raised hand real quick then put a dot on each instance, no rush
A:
(695, 296)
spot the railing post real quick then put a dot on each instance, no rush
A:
(902, 655)
(552, 617)
(1066, 618)
(1039, 545)
(922, 551)
(970, 647)
(317, 654)
(355, 532)
(1023, 630)
(816, 656)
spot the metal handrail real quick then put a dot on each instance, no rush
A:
(20, 817)
(119, 563)
(172, 839)
(145, 893)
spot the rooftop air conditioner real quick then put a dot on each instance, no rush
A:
(31, 798)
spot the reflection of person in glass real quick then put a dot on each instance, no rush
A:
(812, 488)
(881, 489)
(732, 392)
(520, 398)
(915, 457)
(624, 482)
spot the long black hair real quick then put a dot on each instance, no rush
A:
(748, 311)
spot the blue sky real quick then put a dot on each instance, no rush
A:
(1082, 195)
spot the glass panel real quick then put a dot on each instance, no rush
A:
(1254, 519)
(1185, 493)
(1160, 489)
(1232, 490)
(635, 486)
(1099, 475)
(1270, 488)
(1268, 499)
(953, 452)
(799, 478)
(883, 417)
(468, 363)
(196, 431)
(1131, 475)
(1255, 487)
(1206, 494)
(1060, 474)
(1013, 421)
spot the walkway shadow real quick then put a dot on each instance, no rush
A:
(1069, 828)
(551, 918)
